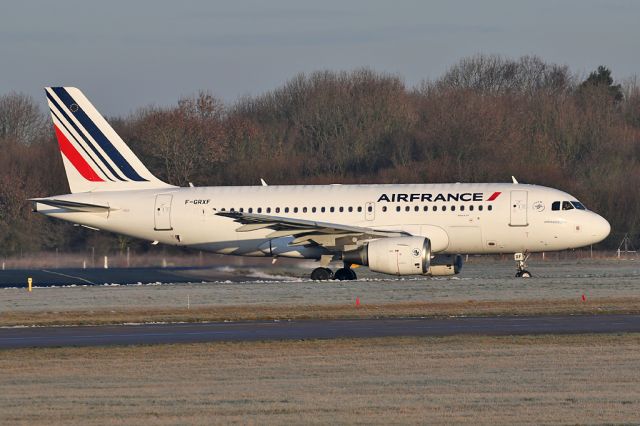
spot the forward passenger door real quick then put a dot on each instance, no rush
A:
(519, 208)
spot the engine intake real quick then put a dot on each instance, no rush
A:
(395, 256)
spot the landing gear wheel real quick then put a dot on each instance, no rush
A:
(521, 259)
(321, 274)
(345, 274)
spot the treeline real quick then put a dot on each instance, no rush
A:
(486, 119)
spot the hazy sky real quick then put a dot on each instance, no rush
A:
(128, 54)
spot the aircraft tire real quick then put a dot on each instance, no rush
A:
(321, 274)
(345, 274)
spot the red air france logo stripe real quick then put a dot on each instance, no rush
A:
(75, 158)
(494, 196)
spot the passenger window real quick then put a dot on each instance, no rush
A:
(555, 205)
(286, 209)
(384, 208)
(453, 208)
(313, 209)
(241, 209)
(369, 209)
(490, 207)
(480, 207)
(332, 209)
(416, 208)
(295, 210)
(277, 209)
(407, 208)
(268, 209)
(232, 209)
(322, 209)
(222, 209)
(461, 208)
(444, 208)
(350, 209)
(397, 208)
(566, 205)
(359, 209)
(426, 208)
(259, 209)
(304, 210)
(435, 208)
(250, 209)
(470, 208)
(341, 209)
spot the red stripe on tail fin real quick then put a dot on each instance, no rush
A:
(75, 158)
(494, 196)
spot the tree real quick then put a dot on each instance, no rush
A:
(601, 78)
(21, 119)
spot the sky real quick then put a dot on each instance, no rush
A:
(129, 54)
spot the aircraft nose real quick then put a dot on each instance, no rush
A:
(600, 228)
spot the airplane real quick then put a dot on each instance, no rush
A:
(402, 230)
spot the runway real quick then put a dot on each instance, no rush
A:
(97, 276)
(20, 337)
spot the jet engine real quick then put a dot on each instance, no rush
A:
(404, 256)
(445, 264)
(395, 256)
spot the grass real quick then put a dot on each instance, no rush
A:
(270, 312)
(460, 380)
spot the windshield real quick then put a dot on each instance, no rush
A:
(567, 205)
(578, 205)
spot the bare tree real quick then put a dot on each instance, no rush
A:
(20, 119)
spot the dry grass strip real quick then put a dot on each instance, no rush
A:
(453, 380)
(297, 312)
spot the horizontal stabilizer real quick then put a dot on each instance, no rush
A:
(72, 205)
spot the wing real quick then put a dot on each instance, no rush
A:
(332, 236)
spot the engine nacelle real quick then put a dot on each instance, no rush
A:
(445, 264)
(395, 256)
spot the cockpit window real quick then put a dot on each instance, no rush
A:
(578, 205)
(555, 205)
(566, 205)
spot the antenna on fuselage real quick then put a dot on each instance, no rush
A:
(515, 181)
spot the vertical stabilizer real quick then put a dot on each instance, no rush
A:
(95, 158)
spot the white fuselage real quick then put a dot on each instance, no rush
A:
(457, 218)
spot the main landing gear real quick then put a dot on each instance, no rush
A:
(342, 274)
(521, 264)
(321, 274)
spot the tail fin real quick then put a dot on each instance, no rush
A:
(95, 157)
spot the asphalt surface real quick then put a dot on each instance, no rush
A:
(21, 337)
(99, 276)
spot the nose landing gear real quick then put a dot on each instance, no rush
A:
(521, 265)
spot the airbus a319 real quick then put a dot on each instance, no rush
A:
(413, 229)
